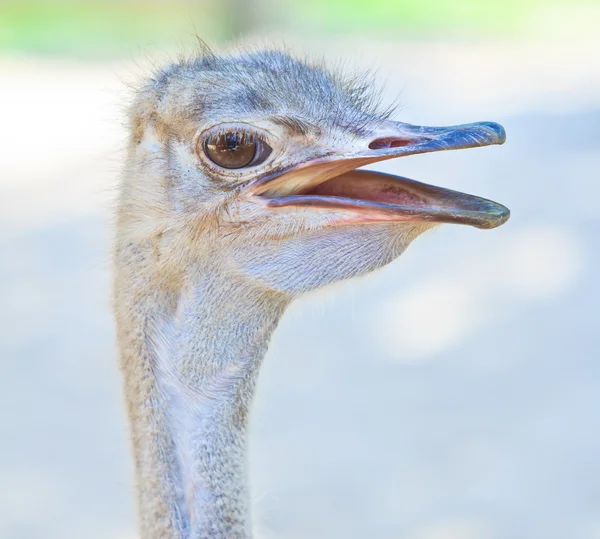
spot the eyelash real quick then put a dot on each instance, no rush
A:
(246, 134)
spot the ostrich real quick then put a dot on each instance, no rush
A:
(242, 191)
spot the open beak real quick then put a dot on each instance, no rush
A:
(333, 181)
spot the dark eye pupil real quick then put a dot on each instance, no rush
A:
(232, 141)
(231, 150)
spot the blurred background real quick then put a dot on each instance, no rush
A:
(453, 395)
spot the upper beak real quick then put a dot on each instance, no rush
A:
(332, 181)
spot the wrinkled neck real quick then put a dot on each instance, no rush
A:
(190, 427)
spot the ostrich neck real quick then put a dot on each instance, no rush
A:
(189, 388)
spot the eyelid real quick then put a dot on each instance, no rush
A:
(260, 157)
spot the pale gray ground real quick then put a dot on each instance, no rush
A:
(454, 395)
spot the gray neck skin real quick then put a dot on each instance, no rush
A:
(206, 356)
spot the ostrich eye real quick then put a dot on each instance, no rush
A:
(235, 149)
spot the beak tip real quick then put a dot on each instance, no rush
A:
(496, 132)
(495, 217)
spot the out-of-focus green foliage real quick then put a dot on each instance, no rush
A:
(100, 27)
(448, 17)
(113, 27)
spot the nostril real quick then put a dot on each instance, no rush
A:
(390, 142)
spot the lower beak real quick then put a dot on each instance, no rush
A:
(332, 182)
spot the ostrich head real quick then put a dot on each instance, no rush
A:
(242, 191)
(249, 163)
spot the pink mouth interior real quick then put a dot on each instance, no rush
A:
(375, 189)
